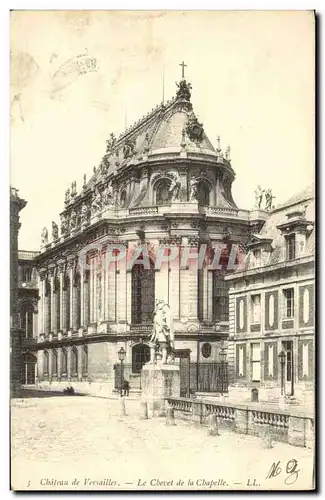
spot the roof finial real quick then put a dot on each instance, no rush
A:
(218, 140)
(228, 153)
(183, 66)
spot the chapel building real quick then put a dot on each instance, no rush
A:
(161, 183)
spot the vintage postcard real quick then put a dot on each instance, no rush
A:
(162, 212)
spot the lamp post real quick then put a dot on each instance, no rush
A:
(282, 357)
(223, 355)
(121, 356)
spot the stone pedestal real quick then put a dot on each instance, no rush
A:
(159, 381)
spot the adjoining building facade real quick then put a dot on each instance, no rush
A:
(27, 306)
(16, 205)
(161, 183)
(271, 305)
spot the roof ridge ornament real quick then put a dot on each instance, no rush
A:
(183, 90)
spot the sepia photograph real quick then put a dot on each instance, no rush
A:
(162, 250)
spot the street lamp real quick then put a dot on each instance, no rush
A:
(223, 355)
(121, 356)
(282, 358)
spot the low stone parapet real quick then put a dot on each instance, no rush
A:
(281, 425)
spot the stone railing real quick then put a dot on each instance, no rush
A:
(27, 254)
(143, 211)
(283, 425)
(221, 211)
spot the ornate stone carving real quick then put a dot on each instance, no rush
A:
(85, 213)
(194, 129)
(108, 195)
(183, 90)
(110, 143)
(73, 189)
(96, 204)
(67, 196)
(73, 219)
(45, 236)
(64, 224)
(61, 266)
(128, 148)
(55, 231)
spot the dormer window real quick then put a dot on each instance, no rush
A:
(257, 253)
(291, 247)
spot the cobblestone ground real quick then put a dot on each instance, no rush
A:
(84, 443)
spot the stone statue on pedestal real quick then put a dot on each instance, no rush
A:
(45, 236)
(163, 332)
(193, 189)
(258, 197)
(55, 231)
(175, 187)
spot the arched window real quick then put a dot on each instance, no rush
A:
(140, 356)
(203, 194)
(48, 305)
(54, 363)
(26, 320)
(46, 363)
(143, 294)
(123, 199)
(74, 362)
(64, 362)
(163, 196)
(84, 354)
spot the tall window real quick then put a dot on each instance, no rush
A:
(143, 294)
(74, 362)
(77, 291)
(291, 247)
(256, 308)
(84, 363)
(26, 320)
(203, 194)
(57, 293)
(220, 297)
(288, 295)
(64, 362)
(256, 362)
(46, 363)
(67, 299)
(54, 363)
(163, 195)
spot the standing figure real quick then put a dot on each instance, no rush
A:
(193, 189)
(258, 196)
(55, 231)
(45, 236)
(268, 200)
(175, 187)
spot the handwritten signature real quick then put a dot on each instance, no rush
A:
(291, 470)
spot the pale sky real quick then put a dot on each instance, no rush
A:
(252, 75)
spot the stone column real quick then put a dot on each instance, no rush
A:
(71, 277)
(41, 282)
(59, 363)
(50, 364)
(75, 291)
(86, 301)
(63, 325)
(47, 308)
(82, 305)
(35, 322)
(53, 302)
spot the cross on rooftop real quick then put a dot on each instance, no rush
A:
(183, 66)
